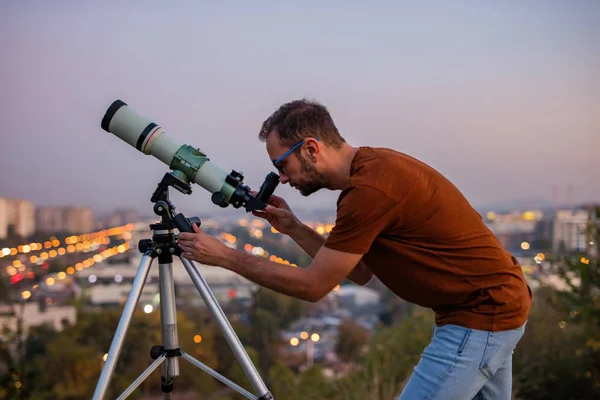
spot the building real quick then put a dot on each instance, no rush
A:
(544, 231)
(127, 215)
(514, 228)
(50, 219)
(79, 220)
(118, 217)
(32, 316)
(18, 214)
(4, 217)
(65, 219)
(570, 230)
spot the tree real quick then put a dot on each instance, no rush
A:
(313, 385)
(393, 352)
(66, 365)
(68, 370)
(551, 360)
(581, 301)
(559, 354)
(283, 382)
(351, 340)
(13, 373)
(271, 312)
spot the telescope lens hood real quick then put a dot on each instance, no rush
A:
(112, 110)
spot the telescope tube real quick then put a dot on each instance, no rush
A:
(151, 139)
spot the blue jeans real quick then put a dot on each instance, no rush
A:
(464, 364)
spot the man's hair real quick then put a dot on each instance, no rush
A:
(298, 119)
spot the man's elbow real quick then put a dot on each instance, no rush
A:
(315, 294)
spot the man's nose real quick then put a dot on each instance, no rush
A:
(283, 178)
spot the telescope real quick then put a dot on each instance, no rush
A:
(189, 164)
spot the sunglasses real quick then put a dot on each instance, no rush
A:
(287, 153)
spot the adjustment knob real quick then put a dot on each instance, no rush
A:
(160, 207)
(156, 351)
(218, 198)
(144, 245)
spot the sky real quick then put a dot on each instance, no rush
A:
(503, 98)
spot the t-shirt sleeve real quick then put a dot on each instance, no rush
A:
(362, 214)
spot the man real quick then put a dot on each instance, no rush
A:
(405, 223)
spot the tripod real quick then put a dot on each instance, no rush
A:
(163, 245)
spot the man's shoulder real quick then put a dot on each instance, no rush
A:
(371, 153)
(382, 169)
(381, 160)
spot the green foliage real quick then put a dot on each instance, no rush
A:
(393, 352)
(271, 312)
(313, 385)
(552, 360)
(236, 374)
(283, 309)
(351, 341)
(284, 383)
(582, 299)
(66, 365)
(579, 309)
(69, 369)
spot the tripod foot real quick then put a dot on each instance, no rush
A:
(166, 386)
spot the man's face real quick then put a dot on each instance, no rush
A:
(298, 168)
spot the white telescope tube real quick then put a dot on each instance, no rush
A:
(151, 139)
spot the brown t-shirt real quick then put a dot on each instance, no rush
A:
(427, 244)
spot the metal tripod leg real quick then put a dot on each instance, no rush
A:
(168, 318)
(118, 339)
(142, 377)
(234, 342)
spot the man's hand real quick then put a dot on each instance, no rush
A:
(279, 214)
(202, 247)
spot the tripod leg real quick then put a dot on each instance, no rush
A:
(142, 377)
(118, 339)
(234, 342)
(168, 317)
(218, 376)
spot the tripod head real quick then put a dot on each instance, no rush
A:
(163, 238)
(165, 208)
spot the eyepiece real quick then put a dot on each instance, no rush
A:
(268, 187)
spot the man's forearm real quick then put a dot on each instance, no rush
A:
(311, 242)
(307, 238)
(281, 278)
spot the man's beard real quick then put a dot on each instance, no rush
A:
(315, 180)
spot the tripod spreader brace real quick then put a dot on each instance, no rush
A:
(166, 386)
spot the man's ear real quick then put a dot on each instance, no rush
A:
(313, 149)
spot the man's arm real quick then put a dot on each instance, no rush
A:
(312, 242)
(328, 269)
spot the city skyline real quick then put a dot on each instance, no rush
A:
(500, 99)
